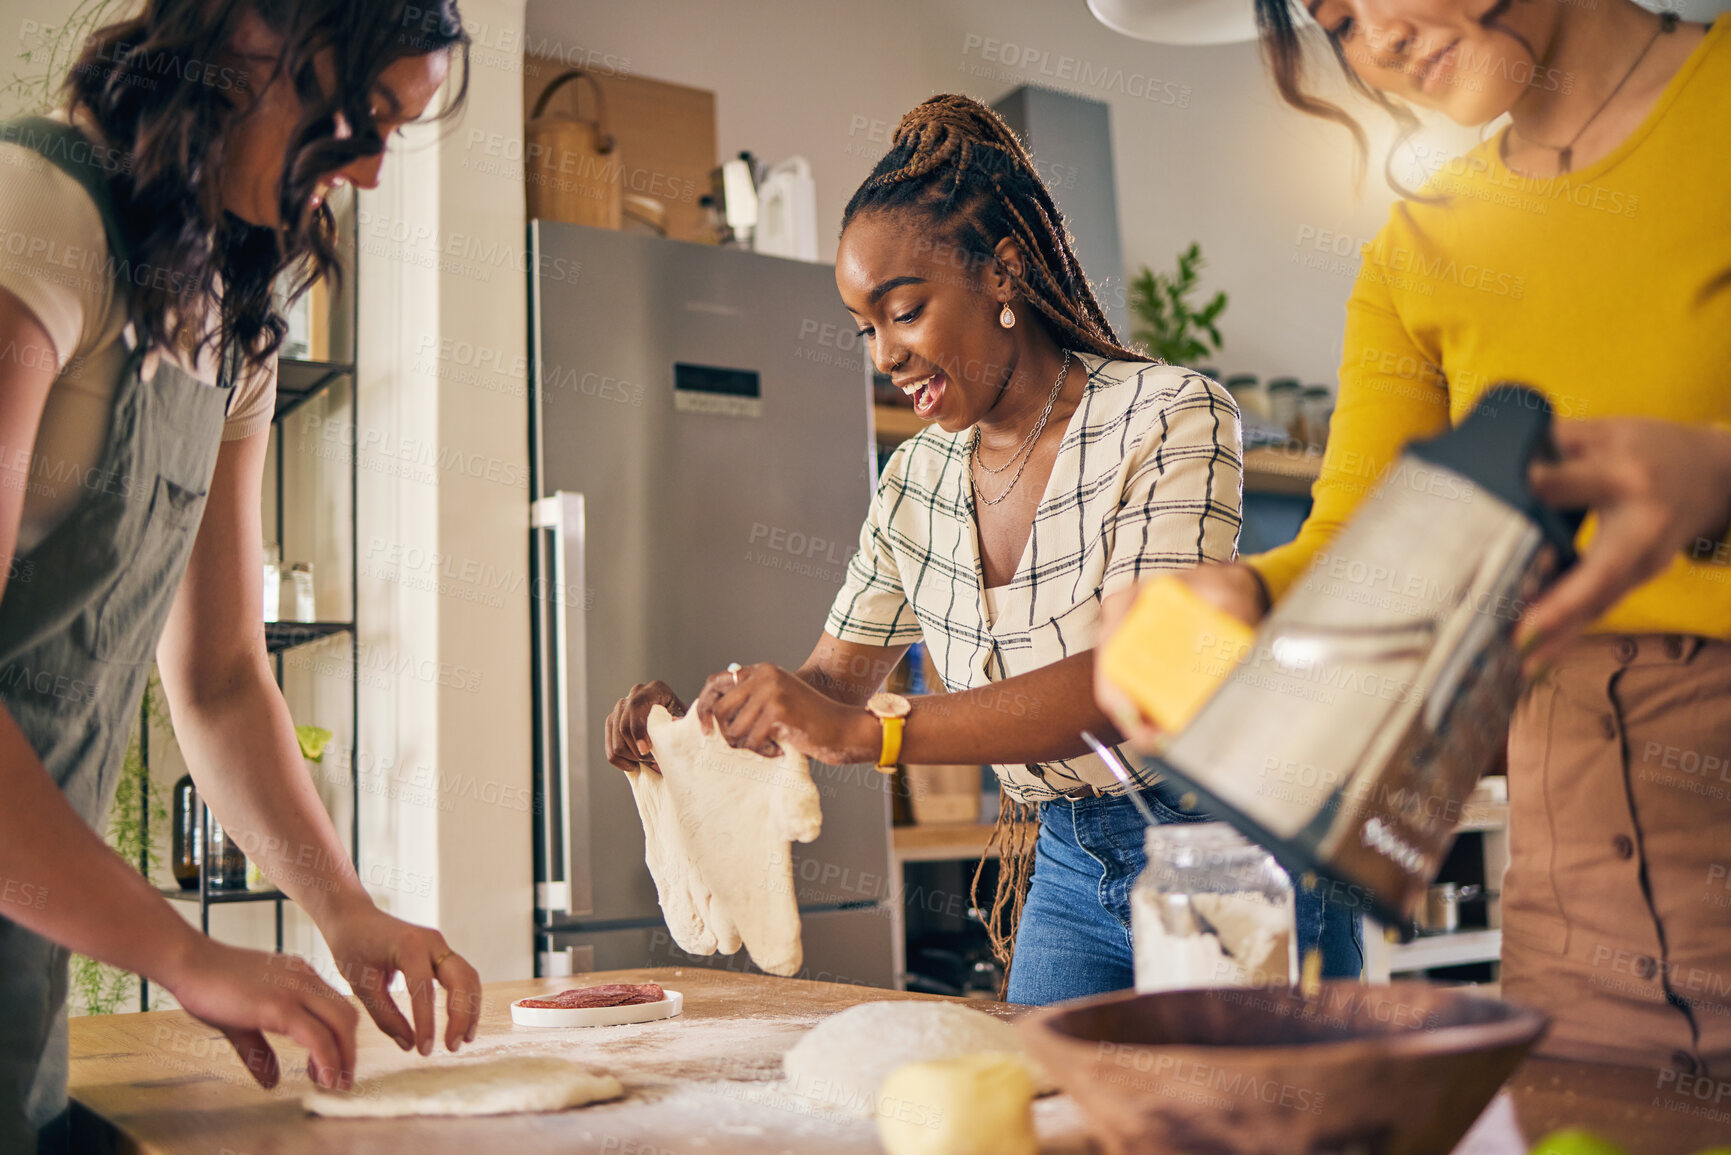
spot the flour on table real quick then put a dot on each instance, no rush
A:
(843, 1060)
(717, 823)
(489, 1087)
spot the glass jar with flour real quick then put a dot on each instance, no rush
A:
(1211, 909)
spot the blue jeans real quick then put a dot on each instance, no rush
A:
(1074, 937)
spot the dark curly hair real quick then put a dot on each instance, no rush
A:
(150, 86)
(954, 162)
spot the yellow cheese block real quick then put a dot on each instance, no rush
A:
(1173, 651)
(975, 1105)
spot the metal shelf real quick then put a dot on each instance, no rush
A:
(1445, 950)
(215, 897)
(280, 636)
(299, 381)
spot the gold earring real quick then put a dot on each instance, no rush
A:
(1007, 319)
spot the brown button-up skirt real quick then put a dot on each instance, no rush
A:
(1617, 902)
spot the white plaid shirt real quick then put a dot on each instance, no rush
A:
(1148, 477)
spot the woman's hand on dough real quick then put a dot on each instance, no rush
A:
(627, 734)
(372, 947)
(766, 705)
(1231, 587)
(1657, 489)
(244, 993)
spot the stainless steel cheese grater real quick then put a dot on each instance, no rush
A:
(1380, 688)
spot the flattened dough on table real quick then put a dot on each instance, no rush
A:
(717, 822)
(487, 1087)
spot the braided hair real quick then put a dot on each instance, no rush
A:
(956, 161)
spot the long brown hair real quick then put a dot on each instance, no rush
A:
(1283, 50)
(153, 89)
(956, 163)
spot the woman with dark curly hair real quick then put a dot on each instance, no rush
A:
(1058, 468)
(1583, 249)
(185, 173)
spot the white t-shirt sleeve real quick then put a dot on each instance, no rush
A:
(53, 250)
(254, 403)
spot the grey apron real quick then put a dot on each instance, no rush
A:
(79, 621)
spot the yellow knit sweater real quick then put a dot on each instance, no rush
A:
(1607, 289)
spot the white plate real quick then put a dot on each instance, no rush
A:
(524, 1016)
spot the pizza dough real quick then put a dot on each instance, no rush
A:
(974, 1105)
(486, 1087)
(843, 1060)
(717, 822)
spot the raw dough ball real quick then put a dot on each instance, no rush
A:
(975, 1105)
(488, 1087)
(841, 1061)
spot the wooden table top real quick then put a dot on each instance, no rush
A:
(701, 1084)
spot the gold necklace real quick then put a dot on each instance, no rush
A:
(1026, 450)
(1566, 153)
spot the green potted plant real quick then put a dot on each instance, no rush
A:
(1164, 320)
(97, 988)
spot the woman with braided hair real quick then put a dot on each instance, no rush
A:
(1058, 468)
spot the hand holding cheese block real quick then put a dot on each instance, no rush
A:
(1168, 657)
(717, 823)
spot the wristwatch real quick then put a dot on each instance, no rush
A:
(890, 709)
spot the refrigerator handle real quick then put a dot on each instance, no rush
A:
(564, 703)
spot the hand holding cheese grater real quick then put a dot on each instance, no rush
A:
(1346, 733)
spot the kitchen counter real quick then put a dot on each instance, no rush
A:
(700, 1084)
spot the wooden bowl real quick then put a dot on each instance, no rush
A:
(1377, 1070)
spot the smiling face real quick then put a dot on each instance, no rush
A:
(1471, 60)
(929, 314)
(259, 144)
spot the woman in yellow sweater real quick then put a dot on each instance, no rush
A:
(1584, 249)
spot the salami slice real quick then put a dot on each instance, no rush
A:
(611, 995)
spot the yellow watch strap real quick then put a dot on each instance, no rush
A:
(892, 742)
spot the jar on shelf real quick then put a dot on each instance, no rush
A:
(301, 583)
(1285, 399)
(1248, 394)
(227, 863)
(272, 581)
(1316, 407)
(187, 835)
(1211, 909)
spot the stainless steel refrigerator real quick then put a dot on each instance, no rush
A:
(702, 461)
